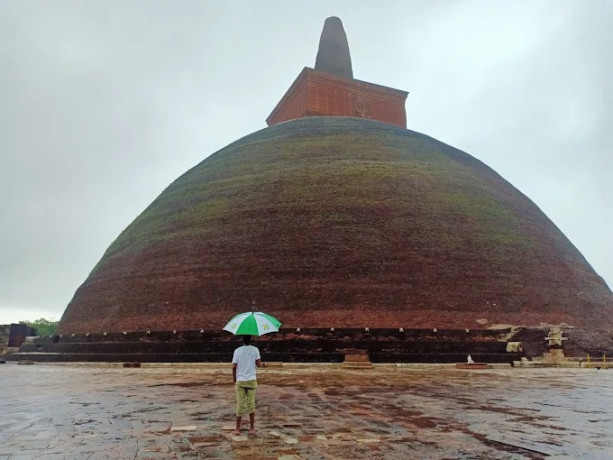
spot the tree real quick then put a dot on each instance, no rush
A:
(43, 326)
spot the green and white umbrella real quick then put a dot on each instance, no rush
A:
(252, 323)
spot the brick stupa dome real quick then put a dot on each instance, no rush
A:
(332, 221)
(337, 216)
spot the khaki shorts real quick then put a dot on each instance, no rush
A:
(245, 397)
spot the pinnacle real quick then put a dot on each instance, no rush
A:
(333, 55)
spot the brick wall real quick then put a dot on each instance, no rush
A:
(316, 93)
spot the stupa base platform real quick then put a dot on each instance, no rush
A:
(305, 345)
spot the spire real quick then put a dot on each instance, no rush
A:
(333, 55)
(329, 90)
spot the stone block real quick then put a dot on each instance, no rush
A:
(183, 428)
(357, 365)
(357, 358)
(514, 347)
(472, 366)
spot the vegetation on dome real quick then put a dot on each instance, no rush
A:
(318, 218)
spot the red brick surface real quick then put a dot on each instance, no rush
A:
(340, 222)
(320, 94)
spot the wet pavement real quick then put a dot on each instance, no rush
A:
(306, 412)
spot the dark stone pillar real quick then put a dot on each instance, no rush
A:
(333, 55)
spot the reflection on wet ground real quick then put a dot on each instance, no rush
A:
(306, 412)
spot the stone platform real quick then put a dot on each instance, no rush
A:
(309, 412)
(288, 345)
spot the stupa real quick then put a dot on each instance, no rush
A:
(336, 215)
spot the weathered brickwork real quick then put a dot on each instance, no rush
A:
(340, 222)
(316, 93)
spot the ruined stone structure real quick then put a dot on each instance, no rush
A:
(339, 217)
(4, 339)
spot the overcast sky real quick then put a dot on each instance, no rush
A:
(104, 103)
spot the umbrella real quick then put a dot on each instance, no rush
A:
(252, 323)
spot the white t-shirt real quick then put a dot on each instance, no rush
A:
(245, 358)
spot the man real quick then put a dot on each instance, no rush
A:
(244, 362)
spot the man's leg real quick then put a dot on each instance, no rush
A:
(252, 423)
(251, 408)
(237, 430)
(240, 401)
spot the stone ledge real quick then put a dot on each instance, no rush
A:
(357, 365)
(472, 366)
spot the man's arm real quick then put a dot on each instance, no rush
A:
(234, 372)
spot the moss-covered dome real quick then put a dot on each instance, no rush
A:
(339, 222)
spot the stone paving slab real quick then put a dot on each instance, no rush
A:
(305, 412)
